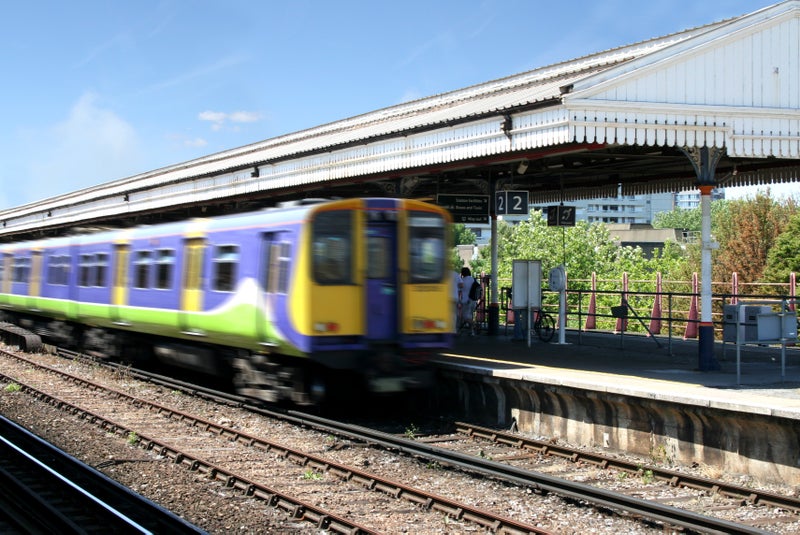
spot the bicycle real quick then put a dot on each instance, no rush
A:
(544, 325)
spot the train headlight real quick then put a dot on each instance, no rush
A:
(326, 327)
(427, 324)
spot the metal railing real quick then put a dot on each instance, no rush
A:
(670, 314)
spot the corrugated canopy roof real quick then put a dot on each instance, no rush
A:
(620, 118)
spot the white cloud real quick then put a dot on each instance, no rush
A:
(245, 117)
(196, 142)
(213, 116)
(91, 146)
(219, 118)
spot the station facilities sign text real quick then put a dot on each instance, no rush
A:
(466, 208)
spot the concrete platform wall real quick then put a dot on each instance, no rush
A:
(762, 446)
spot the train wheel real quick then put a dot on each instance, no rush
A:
(317, 389)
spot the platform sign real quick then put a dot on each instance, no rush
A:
(526, 288)
(466, 208)
(511, 202)
(526, 284)
(560, 216)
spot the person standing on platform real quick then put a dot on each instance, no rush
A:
(457, 285)
(467, 305)
(519, 319)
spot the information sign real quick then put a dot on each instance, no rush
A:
(560, 216)
(511, 202)
(466, 208)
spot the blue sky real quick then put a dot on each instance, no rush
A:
(96, 90)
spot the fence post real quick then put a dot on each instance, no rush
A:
(691, 323)
(622, 322)
(792, 283)
(655, 316)
(591, 316)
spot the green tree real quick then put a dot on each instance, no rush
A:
(784, 257)
(689, 219)
(462, 235)
(746, 233)
(455, 260)
(582, 249)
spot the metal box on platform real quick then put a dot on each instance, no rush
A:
(776, 327)
(748, 322)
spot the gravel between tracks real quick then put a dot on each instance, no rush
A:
(212, 507)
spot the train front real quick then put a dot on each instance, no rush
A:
(379, 293)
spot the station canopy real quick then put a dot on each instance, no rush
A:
(625, 121)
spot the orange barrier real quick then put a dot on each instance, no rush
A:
(622, 320)
(691, 324)
(655, 321)
(591, 317)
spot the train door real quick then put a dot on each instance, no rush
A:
(382, 292)
(7, 272)
(119, 291)
(192, 280)
(35, 281)
(273, 280)
(5, 277)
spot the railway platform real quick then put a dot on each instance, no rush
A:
(630, 393)
(629, 363)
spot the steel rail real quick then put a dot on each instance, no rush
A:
(675, 479)
(617, 501)
(671, 516)
(275, 498)
(46, 490)
(452, 508)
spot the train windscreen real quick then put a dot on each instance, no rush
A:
(427, 242)
(332, 246)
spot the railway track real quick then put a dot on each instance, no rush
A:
(651, 513)
(44, 490)
(151, 422)
(674, 478)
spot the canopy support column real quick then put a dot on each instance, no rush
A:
(705, 161)
(494, 303)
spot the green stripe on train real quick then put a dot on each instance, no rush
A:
(235, 326)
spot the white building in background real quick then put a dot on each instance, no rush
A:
(633, 209)
(688, 200)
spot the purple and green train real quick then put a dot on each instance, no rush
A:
(292, 302)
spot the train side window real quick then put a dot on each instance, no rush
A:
(267, 246)
(427, 240)
(142, 264)
(58, 270)
(226, 260)
(284, 259)
(378, 259)
(93, 270)
(165, 262)
(277, 260)
(332, 247)
(21, 269)
(101, 270)
(86, 270)
(275, 264)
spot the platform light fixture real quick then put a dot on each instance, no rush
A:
(522, 167)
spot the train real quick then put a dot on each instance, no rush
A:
(289, 303)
